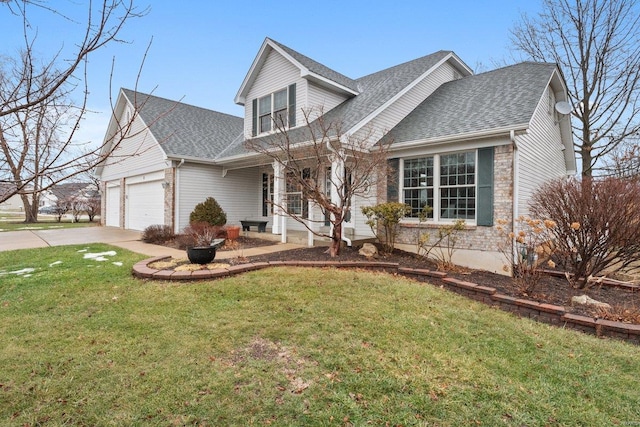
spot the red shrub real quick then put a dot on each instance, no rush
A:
(598, 224)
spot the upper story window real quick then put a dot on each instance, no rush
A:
(273, 111)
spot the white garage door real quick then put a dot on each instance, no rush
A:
(113, 207)
(145, 205)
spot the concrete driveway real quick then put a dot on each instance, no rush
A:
(25, 239)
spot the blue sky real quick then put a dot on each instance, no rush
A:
(202, 49)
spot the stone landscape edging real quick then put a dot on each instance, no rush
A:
(541, 312)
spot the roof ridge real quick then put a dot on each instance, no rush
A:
(404, 64)
(181, 103)
(318, 67)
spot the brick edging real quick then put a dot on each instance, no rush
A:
(541, 312)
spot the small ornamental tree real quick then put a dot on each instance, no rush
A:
(384, 219)
(208, 211)
(597, 224)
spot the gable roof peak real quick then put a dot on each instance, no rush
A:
(309, 69)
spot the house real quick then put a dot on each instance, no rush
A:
(473, 147)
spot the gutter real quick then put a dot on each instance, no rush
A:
(176, 178)
(447, 139)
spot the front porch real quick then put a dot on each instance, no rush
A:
(302, 237)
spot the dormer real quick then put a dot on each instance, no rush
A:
(283, 83)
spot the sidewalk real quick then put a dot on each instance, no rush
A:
(126, 239)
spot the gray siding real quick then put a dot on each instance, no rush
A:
(541, 157)
(136, 155)
(320, 99)
(276, 73)
(237, 193)
(401, 107)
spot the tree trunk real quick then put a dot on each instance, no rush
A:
(336, 240)
(30, 210)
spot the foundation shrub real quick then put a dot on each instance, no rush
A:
(157, 233)
(384, 219)
(597, 225)
(208, 211)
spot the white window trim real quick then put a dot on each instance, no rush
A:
(273, 128)
(436, 188)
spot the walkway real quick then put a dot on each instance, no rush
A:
(126, 239)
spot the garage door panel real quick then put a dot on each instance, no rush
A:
(113, 207)
(145, 205)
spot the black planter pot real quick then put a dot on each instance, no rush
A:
(201, 254)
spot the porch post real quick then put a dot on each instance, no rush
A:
(337, 181)
(278, 190)
(311, 224)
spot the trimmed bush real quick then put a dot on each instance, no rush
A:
(210, 212)
(597, 224)
(384, 219)
(157, 233)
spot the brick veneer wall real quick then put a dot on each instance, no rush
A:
(477, 238)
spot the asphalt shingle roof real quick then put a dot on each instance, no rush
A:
(504, 97)
(375, 90)
(318, 68)
(184, 130)
(496, 99)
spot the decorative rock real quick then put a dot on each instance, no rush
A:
(586, 300)
(368, 250)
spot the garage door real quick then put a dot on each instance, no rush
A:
(145, 205)
(112, 211)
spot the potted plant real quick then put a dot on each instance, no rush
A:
(203, 239)
(233, 232)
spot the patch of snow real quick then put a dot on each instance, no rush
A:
(24, 272)
(83, 250)
(118, 263)
(55, 263)
(30, 228)
(99, 256)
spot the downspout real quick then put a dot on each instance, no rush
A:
(176, 185)
(516, 187)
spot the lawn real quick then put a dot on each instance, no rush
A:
(14, 222)
(86, 344)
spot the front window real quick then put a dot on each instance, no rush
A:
(452, 177)
(267, 194)
(457, 186)
(297, 200)
(418, 185)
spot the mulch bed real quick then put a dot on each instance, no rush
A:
(550, 289)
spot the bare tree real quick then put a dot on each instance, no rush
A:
(38, 118)
(624, 162)
(596, 43)
(321, 164)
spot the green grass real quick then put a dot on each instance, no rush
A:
(86, 344)
(15, 222)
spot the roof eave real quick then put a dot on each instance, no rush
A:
(330, 84)
(489, 133)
